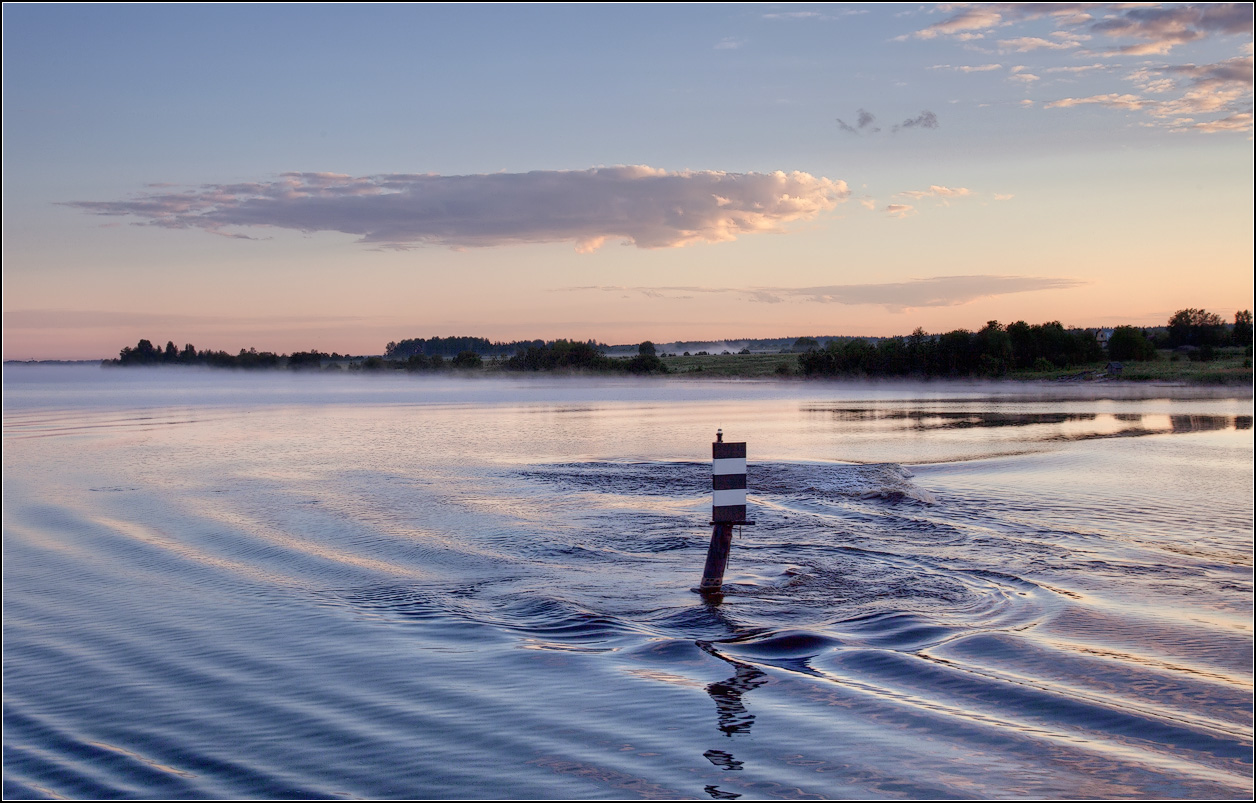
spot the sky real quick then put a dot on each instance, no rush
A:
(335, 177)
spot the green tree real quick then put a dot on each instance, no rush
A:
(645, 364)
(805, 344)
(994, 345)
(1128, 343)
(1241, 334)
(312, 359)
(418, 362)
(1025, 349)
(646, 349)
(1196, 327)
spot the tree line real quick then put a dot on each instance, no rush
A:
(145, 353)
(995, 350)
(989, 352)
(554, 355)
(449, 347)
(992, 351)
(574, 355)
(1197, 331)
(538, 355)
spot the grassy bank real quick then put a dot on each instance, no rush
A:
(733, 365)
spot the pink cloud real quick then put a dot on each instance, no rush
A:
(644, 206)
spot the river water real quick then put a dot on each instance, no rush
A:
(266, 585)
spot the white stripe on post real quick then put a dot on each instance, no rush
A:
(728, 465)
(731, 497)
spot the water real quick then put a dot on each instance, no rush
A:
(277, 586)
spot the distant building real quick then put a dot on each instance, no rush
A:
(1102, 336)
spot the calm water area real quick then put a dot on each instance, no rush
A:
(275, 585)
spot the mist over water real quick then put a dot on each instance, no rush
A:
(223, 584)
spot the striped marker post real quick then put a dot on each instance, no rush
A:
(728, 508)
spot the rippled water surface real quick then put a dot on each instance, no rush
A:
(282, 586)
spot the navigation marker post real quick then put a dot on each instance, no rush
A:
(728, 508)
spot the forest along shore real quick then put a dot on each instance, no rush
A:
(1227, 366)
(1197, 347)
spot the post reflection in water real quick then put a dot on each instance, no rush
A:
(717, 794)
(731, 713)
(727, 694)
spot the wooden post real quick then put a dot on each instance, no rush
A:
(728, 508)
(717, 558)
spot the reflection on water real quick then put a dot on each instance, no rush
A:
(716, 794)
(942, 419)
(226, 586)
(1100, 426)
(1205, 423)
(731, 712)
(722, 759)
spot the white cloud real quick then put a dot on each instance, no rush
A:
(1235, 122)
(967, 20)
(937, 191)
(1223, 88)
(1025, 44)
(1079, 69)
(1111, 100)
(644, 206)
(964, 68)
(792, 15)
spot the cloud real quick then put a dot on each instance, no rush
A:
(60, 319)
(1019, 74)
(1223, 88)
(814, 16)
(1111, 100)
(969, 19)
(937, 291)
(1080, 69)
(1235, 122)
(1025, 44)
(936, 191)
(864, 122)
(792, 15)
(998, 196)
(1231, 72)
(644, 206)
(1157, 29)
(926, 119)
(964, 68)
(1163, 28)
(729, 43)
(899, 210)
